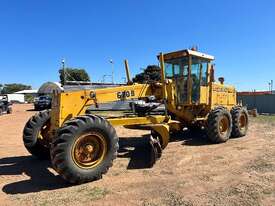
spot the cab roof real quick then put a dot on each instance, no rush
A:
(186, 52)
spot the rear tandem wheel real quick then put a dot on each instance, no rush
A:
(239, 121)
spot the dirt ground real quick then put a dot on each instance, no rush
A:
(191, 171)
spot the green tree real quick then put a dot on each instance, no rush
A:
(73, 74)
(151, 73)
(11, 88)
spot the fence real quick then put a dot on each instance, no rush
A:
(263, 103)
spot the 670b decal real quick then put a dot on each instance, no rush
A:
(125, 94)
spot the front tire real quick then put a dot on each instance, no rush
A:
(84, 149)
(240, 121)
(35, 134)
(219, 125)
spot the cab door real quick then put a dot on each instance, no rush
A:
(198, 78)
(177, 70)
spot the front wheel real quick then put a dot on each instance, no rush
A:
(84, 149)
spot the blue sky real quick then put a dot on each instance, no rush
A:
(36, 35)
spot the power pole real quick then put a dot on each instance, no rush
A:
(271, 86)
(63, 68)
(112, 63)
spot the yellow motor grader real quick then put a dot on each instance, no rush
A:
(83, 145)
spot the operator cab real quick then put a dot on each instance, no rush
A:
(189, 71)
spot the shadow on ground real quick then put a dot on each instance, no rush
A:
(192, 138)
(136, 149)
(40, 178)
(31, 110)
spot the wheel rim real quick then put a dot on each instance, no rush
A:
(224, 125)
(243, 121)
(89, 150)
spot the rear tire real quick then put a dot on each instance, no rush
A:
(84, 149)
(9, 110)
(33, 135)
(239, 121)
(219, 125)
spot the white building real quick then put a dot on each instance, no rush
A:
(19, 98)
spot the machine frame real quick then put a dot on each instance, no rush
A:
(83, 145)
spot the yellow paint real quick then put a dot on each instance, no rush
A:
(79, 149)
(204, 95)
(67, 105)
(123, 121)
(222, 95)
(163, 131)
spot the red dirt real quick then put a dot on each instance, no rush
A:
(191, 171)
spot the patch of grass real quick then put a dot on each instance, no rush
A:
(180, 184)
(82, 188)
(149, 203)
(173, 199)
(44, 203)
(79, 195)
(238, 195)
(261, 165)
(145, 172)
(265, 118)
(96, 193)
(240, 148)
(205, 178)
(268, 191)
(218, 157)
(166, 172)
